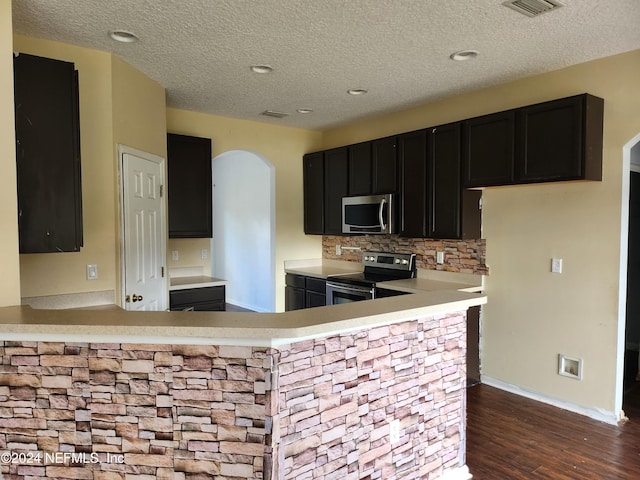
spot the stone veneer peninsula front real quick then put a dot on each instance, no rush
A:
(366, 390)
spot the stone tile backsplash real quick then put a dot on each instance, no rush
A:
(464, 256)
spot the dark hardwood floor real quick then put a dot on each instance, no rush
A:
(512, 437)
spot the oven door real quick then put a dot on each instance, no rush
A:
(341, 293)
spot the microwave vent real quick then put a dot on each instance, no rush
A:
(533, 8)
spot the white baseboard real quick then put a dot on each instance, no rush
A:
(595, 413)
(460, 473)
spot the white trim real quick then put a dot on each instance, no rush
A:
(459, 473)
(122, 150)
(591, 412)
(622, 281)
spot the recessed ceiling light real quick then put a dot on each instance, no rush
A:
(463, 55)
(261, 68)
(123, 36)
(304, 110)
(357, 91)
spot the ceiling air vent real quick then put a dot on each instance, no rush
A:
(271, 113)
(533, 8)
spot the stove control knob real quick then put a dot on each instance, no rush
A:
(397, 260)
(405, 262)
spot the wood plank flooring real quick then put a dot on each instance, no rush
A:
(512, 437)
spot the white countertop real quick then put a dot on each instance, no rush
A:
(197, 281)
(22, 323)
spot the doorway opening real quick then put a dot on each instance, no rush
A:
(243, 243)
(629, 337)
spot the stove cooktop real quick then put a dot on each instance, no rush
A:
(380, 267)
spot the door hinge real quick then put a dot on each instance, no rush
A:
(161, 191)
(162, 271)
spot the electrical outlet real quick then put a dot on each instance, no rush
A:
(174, 255)
(394, 431)
(556, 265)
(440, 257)
(92, 272)
(338, 249)
(204, 254)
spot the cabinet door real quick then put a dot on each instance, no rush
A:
(313, 181)
(294, 298)
(551, 140)
(444, 181)
(489, 150)
(47, 155)
(315, 299)
(336, 187)
(189, 192)
(384, 158)
(412, 154)
(360, 169)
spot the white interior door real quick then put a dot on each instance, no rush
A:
(144, 231)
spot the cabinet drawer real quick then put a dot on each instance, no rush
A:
(316, 285)
(292, 280)
(191, 297)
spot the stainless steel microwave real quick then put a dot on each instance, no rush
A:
(374, 214)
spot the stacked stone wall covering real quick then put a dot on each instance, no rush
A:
(316, 409)
(461, 256)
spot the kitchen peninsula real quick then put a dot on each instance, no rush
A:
(367, 389)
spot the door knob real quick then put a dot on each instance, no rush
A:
(136, 298)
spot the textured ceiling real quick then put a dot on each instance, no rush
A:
(201, 50)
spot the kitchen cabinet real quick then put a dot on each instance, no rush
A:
(336, 186)
(304, 292)
(560, 140)
(384, 157)
(48, 166)
(373, 167)
(313, 180)
(552, 141)
(433, 203)
(489, 149)
(190, 186)
(198, 299)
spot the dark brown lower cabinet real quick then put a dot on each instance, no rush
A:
(47, 126)
(198, 299)
(304, 292)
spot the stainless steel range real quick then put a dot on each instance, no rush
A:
(378, 267)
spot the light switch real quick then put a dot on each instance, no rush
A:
(556, 265)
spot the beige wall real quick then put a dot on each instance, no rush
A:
(118, 104)
(139, 121)
(533, 315)
(58, 273)
(9, 258)
(283, 147)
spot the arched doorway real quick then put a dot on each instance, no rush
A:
(243, 243)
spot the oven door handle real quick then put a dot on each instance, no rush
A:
(349, 289)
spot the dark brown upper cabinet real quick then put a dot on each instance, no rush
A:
(433, 203)
(336, 186)
(560, 140)
(189, 186)
(360, 169)
(489, 149)
(47, 155)
(313, 179)
(373, 167)
(384, 157)
(552, 141)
